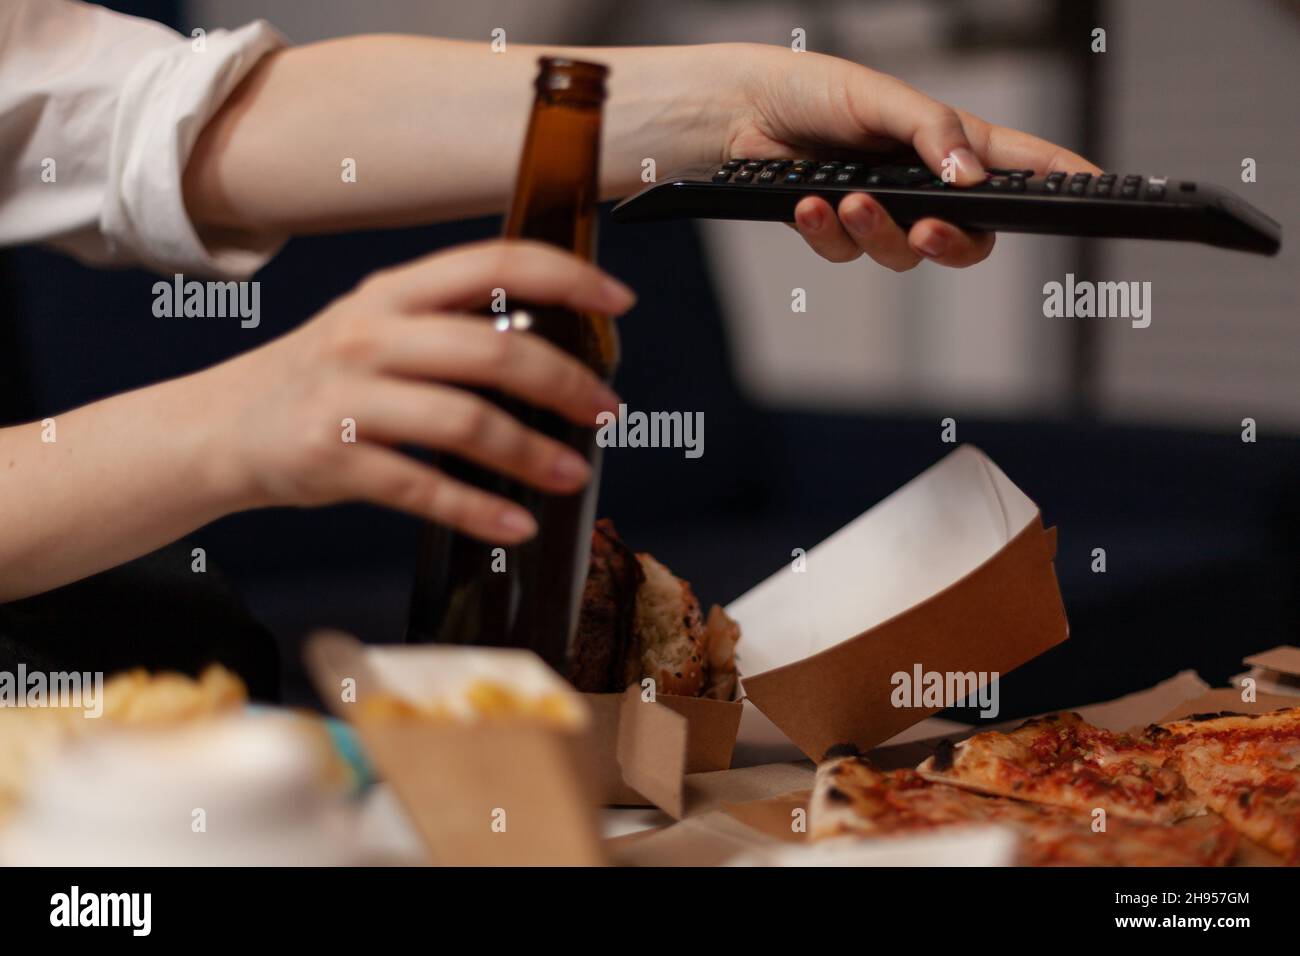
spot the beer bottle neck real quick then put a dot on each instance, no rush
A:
(556, 189)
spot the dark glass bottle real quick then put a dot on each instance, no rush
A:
(463, 592)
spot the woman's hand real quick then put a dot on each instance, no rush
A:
(396, 356)
(797, 102)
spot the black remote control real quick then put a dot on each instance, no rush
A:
(1010, 200)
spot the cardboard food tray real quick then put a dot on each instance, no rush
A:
(499, 792)
(954, 572)
(663, 740)
(1275, 671)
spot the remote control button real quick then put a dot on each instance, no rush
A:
(1133, 179)
(804, 166)
(998, 183)
(1107, 178)
(842, 178)
(778, 166)
(744, 176)
(1052, 184)
(753, 166)
(733, 164)
(1103, 187)
(1023, 173)
(853, 168)
(1055, 177)
(1016, 182)
(819, 177)
(794, 178)
(899, 176)
(828, 168)
(1156, 191)
(1129, 190)
(767, 176)
(722, 175)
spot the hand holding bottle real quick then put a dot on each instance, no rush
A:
(395, 356)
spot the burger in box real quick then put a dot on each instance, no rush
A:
(643, 640)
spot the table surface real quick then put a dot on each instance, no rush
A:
(385, 833)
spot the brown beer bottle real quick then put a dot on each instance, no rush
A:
(467, 591)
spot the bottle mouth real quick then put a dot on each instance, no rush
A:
(571, 80)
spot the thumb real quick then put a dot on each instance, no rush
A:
(934, 130)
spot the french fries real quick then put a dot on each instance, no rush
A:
(481, 701)
(133, 699)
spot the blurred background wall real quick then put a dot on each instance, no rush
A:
(1128, 438)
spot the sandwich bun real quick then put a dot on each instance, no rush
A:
(669, 630)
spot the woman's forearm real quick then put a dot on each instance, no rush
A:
(106, 483)
(317, 417)
(434, 128)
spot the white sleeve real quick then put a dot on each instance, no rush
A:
(98, 115)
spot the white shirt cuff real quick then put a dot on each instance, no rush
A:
(165, 103)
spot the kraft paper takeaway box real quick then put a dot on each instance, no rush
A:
(656, 742)
(951, 574)
(497, 790)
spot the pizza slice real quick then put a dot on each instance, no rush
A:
(1246, 767)
(1063, 761)
(851, 799)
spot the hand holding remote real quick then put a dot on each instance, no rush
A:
(801, 104)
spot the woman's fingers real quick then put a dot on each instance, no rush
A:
(957, 145)
(1005, 148)
(384, 365)
(935, 130)
(863, 225)
(469, 276)
(369, 472)
(452, 420)
(470, 351)
(815, 221)
(875, 233)
(947, 245)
